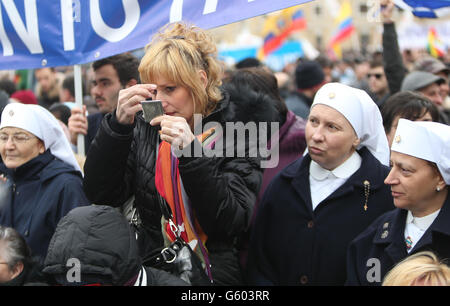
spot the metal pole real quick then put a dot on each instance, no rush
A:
(79, 103)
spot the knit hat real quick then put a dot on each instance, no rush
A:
(308, 74)
(25, 97)
(248, 62)
(419, 79)
(425, 140)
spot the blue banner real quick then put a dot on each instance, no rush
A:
(426, 9)
(48, 33)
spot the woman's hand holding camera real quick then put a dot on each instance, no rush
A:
(129, 101)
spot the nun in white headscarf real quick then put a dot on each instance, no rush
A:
(40, 178)
(419, 180)
(315, 207)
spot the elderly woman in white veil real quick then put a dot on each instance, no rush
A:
(40, 178)
(314, 207)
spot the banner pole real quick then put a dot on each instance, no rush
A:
(79, 103)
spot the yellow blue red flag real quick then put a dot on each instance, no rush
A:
(278, 27)
(344, 30)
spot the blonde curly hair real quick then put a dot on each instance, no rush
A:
(177, 53)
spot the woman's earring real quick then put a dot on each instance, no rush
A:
(438, 188)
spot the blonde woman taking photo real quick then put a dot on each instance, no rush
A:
(216, 193)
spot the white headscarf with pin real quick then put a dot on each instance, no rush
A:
(361, 112)
(42, 124)
(425, 140)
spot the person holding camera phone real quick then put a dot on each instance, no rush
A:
(180, 68)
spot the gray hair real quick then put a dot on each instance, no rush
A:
(13, 247)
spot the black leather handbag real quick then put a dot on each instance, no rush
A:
(178, 258)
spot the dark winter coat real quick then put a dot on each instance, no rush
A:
(292, 244)
(39, 193)
(104, 245)
(222, 190)
(381, 246)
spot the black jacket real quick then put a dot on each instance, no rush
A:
(94, 122)
(382, 245)
(99, 239)
(293, 245)
(222, 190)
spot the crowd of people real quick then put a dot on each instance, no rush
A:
(359, 194)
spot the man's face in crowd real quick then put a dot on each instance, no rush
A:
(377, 80)
(106, 88)
(46, 78)
(443, 86)
(433, 93)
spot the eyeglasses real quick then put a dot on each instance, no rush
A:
(16, 138)
(376, 75)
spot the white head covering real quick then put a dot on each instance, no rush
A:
(425, 140)
(362, 113)
(42, 124)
